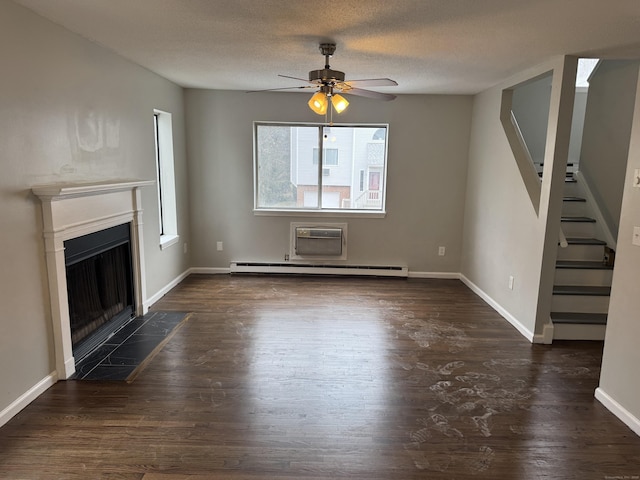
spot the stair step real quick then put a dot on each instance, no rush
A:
(578, 226)
(579, 331)
(578, 219)
(587, 290)
(582, 249)
(568, 178)
(583, 276)
(572, 190)
(584, 241)
(579, 318)
(583, 265)
(574, 206)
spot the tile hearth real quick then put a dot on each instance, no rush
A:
(120, 355)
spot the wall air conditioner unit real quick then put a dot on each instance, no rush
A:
(326, 171)
(319, 241)
(316, 242)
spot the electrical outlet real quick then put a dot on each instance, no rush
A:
(511, 280)
(219, 246)
(636, 177)
(286, 257)
(441, 251)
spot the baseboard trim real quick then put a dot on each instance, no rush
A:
(546, 337)
(222, 271)
(618, 410)
(164, 290)
(209, 270)
(444, 275)
(26, 398)
(524, 331)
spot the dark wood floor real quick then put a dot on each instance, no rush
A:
(331, 378)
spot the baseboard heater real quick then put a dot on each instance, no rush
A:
(320, 269)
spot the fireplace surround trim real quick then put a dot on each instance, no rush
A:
(73, 210)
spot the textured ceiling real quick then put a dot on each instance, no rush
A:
(427, 46)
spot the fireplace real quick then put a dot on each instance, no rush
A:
(99, 286)
(71, 214)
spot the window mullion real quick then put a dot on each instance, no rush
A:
(320, 164)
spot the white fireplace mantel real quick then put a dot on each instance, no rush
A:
(73, 210)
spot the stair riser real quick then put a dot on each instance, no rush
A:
(572, 190)
(580, 303)
(579, 229)
(578, 332)
(574, 276)
(581, 252)
(575, 209)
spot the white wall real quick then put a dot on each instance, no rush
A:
(619, 379)
(502, 235)
(70, 111)
(428, 146)
(607, 126)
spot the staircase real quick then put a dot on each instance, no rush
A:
(582, 282)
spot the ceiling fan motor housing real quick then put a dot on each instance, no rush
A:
(326, 76)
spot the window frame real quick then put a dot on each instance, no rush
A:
(325, 157)
(165, 177)
(319, 211)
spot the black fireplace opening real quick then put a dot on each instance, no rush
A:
(99, 286)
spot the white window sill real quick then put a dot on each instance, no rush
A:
(167, 240)
(320, 213)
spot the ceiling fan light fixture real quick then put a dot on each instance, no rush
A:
(319, 103)
(339, 103)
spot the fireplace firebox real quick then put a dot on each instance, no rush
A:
(99, 286)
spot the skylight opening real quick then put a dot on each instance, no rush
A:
(586, 66)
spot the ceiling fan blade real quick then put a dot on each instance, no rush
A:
(372, 82)
(295, 78)
(361, 92)
(281, 88)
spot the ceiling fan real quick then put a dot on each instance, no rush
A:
(332, 82)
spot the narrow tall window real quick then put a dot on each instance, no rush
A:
(165, 178)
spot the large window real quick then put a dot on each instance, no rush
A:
(315, 167)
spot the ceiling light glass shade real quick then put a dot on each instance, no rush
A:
(339, 103)
(319, 103)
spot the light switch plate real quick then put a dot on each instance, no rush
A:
(636, 236)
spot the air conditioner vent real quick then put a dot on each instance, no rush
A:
(319, 241)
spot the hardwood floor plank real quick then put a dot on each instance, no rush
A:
(331, 378)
